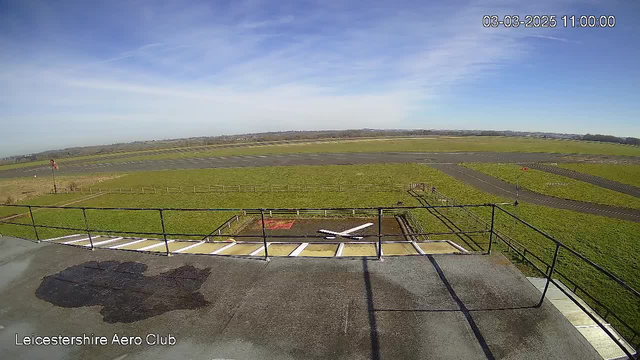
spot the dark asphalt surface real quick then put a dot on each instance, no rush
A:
(436, 307)
(591, 179)
(502, 188)
(445, 161)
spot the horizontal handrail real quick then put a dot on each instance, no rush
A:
(236, 236)
(582, 257)
(511, 243)
(241, 209)
(368, 211)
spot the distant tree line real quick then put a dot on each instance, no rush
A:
(612, 139)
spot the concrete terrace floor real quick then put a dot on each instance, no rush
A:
(421, 307)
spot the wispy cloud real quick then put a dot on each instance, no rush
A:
(554, 38)
(251, 66)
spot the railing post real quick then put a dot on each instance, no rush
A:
(164, 233)
(264, 236)
(553, 266)
(33, 223)
(493, 214)
(380, 234)
(86, 225)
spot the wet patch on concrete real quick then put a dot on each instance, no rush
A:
(124, 292)
(12, 271)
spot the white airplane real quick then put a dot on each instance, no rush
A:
(345, 234)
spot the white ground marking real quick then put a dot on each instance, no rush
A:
(74, 241)
(418, 249)
(154, 245)
(340, 248)
(62, 237)
(222, 248)
(299, 249)
(457, 246)
(259, 249)
(125, 244)
(104, 242)
(189, 247)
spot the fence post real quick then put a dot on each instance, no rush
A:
(264, 236)
(86, 225)
(553, 266)
(33, 223)
(164, 233)
(380, 234)
(493, 214)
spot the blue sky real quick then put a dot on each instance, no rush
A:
(86, 72)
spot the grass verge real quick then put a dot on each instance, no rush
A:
(627, 174)
(556, 185)
(20, 189)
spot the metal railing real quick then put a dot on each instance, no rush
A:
(550, 269)
(379, 213)
(225, 226)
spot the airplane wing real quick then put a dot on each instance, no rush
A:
(329, 232)
(347, 232)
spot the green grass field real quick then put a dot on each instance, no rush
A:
(19, 189)
(627, 174)
(609, 242)
(431, 144)
(88, 158)
(425, 144)
(64, 160)
(556, 185)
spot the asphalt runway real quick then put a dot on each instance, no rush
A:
(293, 160)
(502, 188)
(592, 179)
(444, 161)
